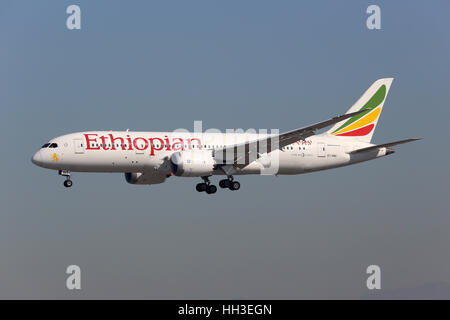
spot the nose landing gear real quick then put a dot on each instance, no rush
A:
(66, 173)
(67, 183)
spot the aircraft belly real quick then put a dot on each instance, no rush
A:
(291, 163)
(110, 161)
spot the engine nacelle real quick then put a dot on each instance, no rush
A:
(144, 178)
(192, 163)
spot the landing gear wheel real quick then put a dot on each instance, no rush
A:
(66, 173)
(211, 189)
(68, 183)
(235, 185)
(225, 183)
(200, 187)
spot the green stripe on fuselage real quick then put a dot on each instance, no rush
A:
(373, 102)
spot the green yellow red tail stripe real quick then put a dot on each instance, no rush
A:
(363, 123)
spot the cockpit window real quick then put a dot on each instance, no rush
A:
(53, 145)
(45, 145)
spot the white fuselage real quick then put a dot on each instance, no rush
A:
(115, 151)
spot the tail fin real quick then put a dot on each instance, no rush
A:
(362, 126)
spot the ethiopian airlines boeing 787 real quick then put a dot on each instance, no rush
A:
(152, 157)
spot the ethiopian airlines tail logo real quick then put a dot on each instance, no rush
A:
(362, 124)
(55, 157)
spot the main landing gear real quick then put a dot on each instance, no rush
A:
(65, 173)
(224, 184)
(229, 183)
(206, 186)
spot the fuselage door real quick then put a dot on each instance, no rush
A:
(321, 149)
(139, 159)
(78, 145)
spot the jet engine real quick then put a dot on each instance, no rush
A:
(192, 163)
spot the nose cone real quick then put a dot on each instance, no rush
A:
(37, 158)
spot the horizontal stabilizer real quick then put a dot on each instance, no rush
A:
(384, 145)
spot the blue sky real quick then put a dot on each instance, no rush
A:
(160, 65)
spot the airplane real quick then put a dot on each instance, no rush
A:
(148, 158)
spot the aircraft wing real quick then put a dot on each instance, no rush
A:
(242, 154)
(384, 145)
